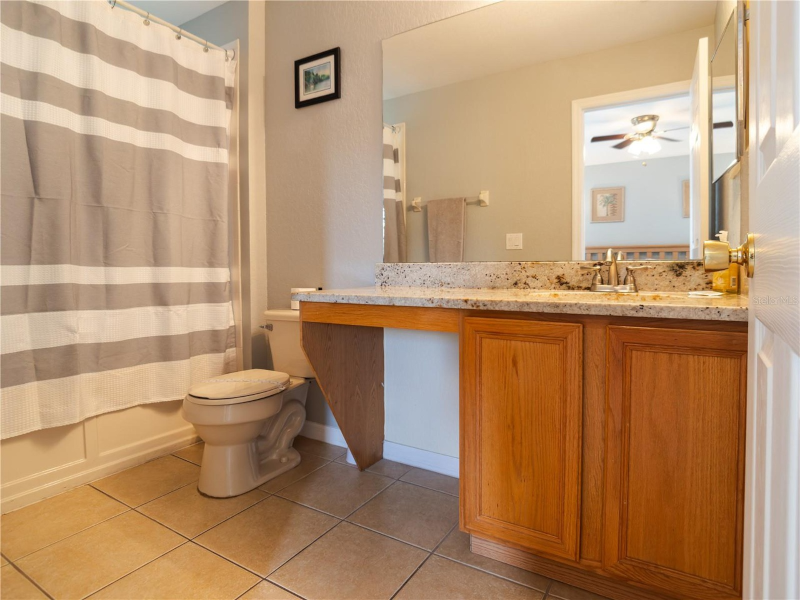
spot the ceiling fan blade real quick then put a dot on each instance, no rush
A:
(623, 144)
(723, 125)
(675, 129)
(608, 138)
(666, 139)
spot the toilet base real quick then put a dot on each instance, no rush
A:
(244, 472)
(264, 449)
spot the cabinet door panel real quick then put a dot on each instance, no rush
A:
(521, 427)
(676, 402)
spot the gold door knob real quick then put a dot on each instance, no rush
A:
(717, 256)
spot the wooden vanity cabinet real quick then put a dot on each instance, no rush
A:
(674, 493)
(521, 432)
(652, 411)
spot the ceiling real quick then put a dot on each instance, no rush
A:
(510, 35)
(177, 12)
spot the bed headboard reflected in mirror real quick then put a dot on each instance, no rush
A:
(559, 145)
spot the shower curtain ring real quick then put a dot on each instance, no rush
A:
(226, 55)
(113, 3)
(205, 48)
(147, 19)
(179, 35)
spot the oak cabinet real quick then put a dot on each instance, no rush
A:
(675, 459)
(521, 428)
(652, 412)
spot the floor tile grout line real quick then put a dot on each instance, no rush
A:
(363, 504)
(127, 510)
(453, 528)
(400, 478)
(391, 537)
(252, 587)
(191, 462)
(450, 558)
(498, 576)
(228, 559)
(296, 554)
(403, 475)
(275, 493)
(278, 585)
(19, 570)
(407, 579)
(331, 514)
(256, 503)
(147, 501)
(344, 520)
(425, 487)
(140, 567)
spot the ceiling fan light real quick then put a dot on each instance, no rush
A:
(650, 145)
(635, 148)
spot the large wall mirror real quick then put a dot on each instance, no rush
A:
(507, 140)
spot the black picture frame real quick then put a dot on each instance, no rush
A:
(335, 54)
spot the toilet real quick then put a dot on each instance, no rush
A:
(249, 419)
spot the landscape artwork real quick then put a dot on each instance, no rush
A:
(317, 79)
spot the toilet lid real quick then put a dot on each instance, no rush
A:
(241, 383)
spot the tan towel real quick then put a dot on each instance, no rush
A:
(446, 225)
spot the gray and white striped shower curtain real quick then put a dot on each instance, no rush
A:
(115, 280)
(394, 206)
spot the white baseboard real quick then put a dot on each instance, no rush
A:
(414, 457)
(323, 433)
(39, 486)
(423, 459)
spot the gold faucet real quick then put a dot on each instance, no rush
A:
(613, 285)
(611, 262)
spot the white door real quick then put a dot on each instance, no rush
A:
(772, 507)
(699, 151)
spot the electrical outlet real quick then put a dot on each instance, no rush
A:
(513, 241)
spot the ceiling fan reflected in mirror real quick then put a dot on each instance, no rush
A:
(644, 140)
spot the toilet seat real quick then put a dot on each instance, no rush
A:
(239, 387)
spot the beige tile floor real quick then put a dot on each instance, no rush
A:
(321, 531)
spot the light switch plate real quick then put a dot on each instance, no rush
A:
(513, 241)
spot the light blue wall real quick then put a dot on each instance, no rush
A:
(653, 202)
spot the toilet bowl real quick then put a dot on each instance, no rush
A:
(249, 419)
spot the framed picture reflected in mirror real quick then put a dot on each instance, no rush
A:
(608, 205)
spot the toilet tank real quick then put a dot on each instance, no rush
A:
(284, 343)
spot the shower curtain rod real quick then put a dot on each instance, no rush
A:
(181, 33)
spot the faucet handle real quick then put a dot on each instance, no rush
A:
(630, 275)
(597, 278)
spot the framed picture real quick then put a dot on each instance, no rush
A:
(687, 198)
(317, 78)
(608, 205)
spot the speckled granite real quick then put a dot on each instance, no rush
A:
(663, 305)
(664, 276)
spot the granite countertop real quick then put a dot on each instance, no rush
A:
(662, 305)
